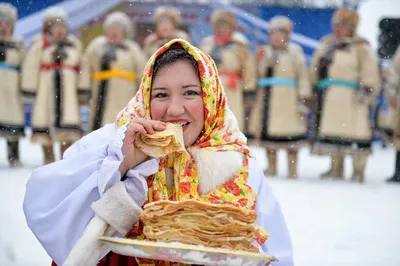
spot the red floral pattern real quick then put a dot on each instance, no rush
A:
(232, 188)
(185, 187)
(243, 202)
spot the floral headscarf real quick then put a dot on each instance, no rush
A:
(220, 133)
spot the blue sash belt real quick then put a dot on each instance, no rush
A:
(275, 81)
(323, 84)
(8, 66)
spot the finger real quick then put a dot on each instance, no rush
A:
(130, 131)
(145, 123)
(148, 125)
(160, 122)
(159, 126)
(138, 128)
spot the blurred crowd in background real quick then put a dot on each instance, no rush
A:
(336, 99)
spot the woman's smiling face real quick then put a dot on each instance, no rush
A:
(176, 97)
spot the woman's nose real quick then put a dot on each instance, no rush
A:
(176, 108)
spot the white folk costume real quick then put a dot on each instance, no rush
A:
(235, 63)
(345, 73)
(50, 74)
(12, 117)
(110, 73)
(279, 117)
(97, 181)
(153, 42)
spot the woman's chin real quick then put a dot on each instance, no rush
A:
(188, 143)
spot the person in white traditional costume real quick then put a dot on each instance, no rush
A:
(50, 75)
(12, 52)
(230, 50)
(345, 73)
(279, 117)
(110, 70)
(103, 181)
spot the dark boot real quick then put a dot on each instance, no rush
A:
(396, 176)
(13, 153)
(271, 170)
(337, 167)
(48, 154)
(292, 164)
(359, 164)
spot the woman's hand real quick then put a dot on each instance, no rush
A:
(133, 155)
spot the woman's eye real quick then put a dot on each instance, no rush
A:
(191, 93)
(160, 95)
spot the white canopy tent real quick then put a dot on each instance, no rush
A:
(79, 12)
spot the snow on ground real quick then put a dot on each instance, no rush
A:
(331, 222)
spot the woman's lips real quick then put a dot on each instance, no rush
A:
(185, 127)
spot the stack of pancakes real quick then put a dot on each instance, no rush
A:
(199, 223)
(162, 143)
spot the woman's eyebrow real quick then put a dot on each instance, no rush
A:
(159, 89)
(192, 85)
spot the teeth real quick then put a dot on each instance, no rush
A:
(182, 123)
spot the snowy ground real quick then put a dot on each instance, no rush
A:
(331, 222)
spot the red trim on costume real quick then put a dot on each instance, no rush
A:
(223, 39)
(51, 66)
(46, 42)
(233, 77)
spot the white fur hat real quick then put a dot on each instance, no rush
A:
(223, 15)
(8, 12)
(170, 12)
(119, 18)
(280, 23)
(54, 14)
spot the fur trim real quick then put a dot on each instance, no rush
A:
(327, 39)
(356, 39)
(346, 16)
(150, 40)
(223, 15)
(180, 34)
(75, 41)
(212, 175)
(295, 48)
(168, 12)
(280, 23)
(118, 208)
(360, 40)
(53, 16)
(88, 250)
(54, 13)
(121, 19)
(238, 37)
(8, 12)
(116, 211)
(97, 44)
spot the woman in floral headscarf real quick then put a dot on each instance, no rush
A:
(105, 171)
